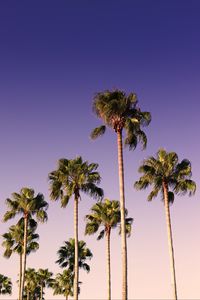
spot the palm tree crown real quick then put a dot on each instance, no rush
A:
(44, 279)
(106, 214)
(120, 111)
(72, 177)
(5, 285)
(165, 170)
(66, 255)
(26, 203)
(31, 284)
(63, 284)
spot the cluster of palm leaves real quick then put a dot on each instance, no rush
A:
(5, 285)
(35, 283)
(119, 112)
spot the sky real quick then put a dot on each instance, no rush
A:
(54, 57)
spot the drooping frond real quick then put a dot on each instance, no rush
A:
(92, 190)
(9, 215)
(184, 169)
(153, 194)
(170, 197)
(145, 118)
(101, 235)
(97, 132)
(91, 227)
(142, 183)
(184, 186)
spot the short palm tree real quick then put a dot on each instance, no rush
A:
(63, 284)
(14, 242)
(70, 179)
(66, 255)
(31, 284)
(107, 215)
(44, 279)
(28, 205)
(119, 111)
(168, 176)
(5, 285)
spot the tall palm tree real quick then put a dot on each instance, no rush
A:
(63, 284)
(66, 255)
(168, 176)
(119, 111)
(28, 205)
(5, 285)
(70, 179)
(44, 278)
(14, 242)
(107, 215)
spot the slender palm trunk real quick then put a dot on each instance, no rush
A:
(170, 240)
(108, 264)
(41, 291)
(76, 269)
(20, 274)
(25, 250)
(122, 211)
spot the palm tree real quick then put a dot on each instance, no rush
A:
(66, 255)
(44, 278)
(119, 111)
(28, 205)
(107, 215)
(5, 285)
(70, 179)
(63, 284)
(13, 242)
(31, 284)
(165, 172)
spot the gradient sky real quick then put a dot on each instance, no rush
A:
(54, 55)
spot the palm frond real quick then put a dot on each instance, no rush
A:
(153, 194)
(101, 235)
(97, 132)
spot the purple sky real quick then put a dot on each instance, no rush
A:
(54, 55)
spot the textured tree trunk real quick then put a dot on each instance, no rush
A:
(170, 240)
(66, 297)
(76, 269)
(24, 252)
(20, 275)
(108, 264)
(122, 211)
